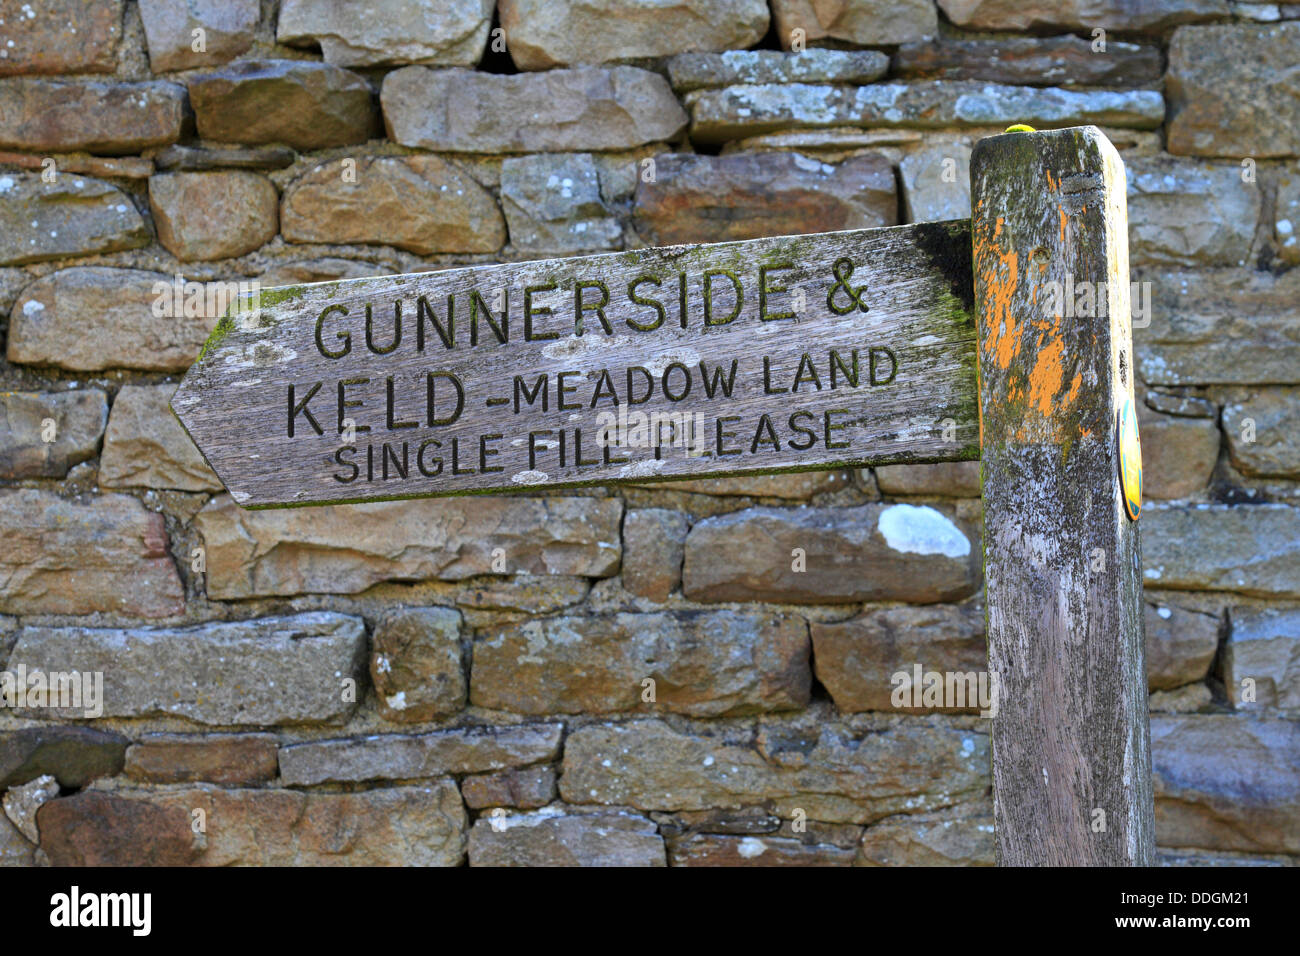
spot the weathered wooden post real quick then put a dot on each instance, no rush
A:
(1071, 757)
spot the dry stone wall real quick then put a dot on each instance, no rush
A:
(691, 674)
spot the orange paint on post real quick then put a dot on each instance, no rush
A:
(1045, 379)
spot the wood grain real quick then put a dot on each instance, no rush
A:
(568, 322)
(1071, 752)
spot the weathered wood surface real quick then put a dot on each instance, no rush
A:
(788, 374)
(1071, 758)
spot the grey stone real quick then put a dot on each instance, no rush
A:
(227, 26)
(936, 183)
(73, 216)
(145, 446)
(416, 665)
(72, 755)
(697, 71)
(1187, 213)
(72, 420)
(22, 802)
(264, 671)
(389, 32)
(860, 22)
(1181, 644)
(1149, 16)
(552, 204)
(1032, 61)
(1261, 427)
(555, 836)
(1264, 647)
(1250, 549)
(654, 542)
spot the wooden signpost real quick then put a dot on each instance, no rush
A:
(922, 343)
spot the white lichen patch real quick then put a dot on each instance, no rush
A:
(920, 529)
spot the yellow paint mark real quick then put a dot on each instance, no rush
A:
(1045, 379)
(1061, 212)
(997, 228)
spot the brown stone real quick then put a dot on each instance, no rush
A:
(344, 549)
(541, 34)
(712, 849)
(73, 422)
(406, 757)
(857, 659)
(229, 759)
(73, 755)
(391, 32)
(415, 664)
(1251, 549)
(1121, 16)
(527, 593)
(832, 771)
(1178, 454)
(1181, 644)
(1265, 649)
(653, 544)
(860, 22)
(145, 446)
(401, 826)
(831, 556)
(960, 838)
(419, 203)
(73, 216)
(574, 110)
(227, 27)
(190, 159)
(1031, 61)
(15, 849)
(60, 36)
(798, 486)
(216, 215)
(64, 557)
(1261, 427)
(702, 663)
(54, 116)
(554, 836)
(1225, 326)
(1233, 90)
(1226, 783)
(749, 195)
(524, 787)
(299, 103)
(950, 479)
(322, 269)
(90, 318)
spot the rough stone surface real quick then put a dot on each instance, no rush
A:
(526, 788)
(419, 203)
(697, 71)
(64, 557)
(1125, 16)
(1233, 90)
(390, 32)
(192, 159)
(1286, 224)
(541, 34)
(1031, 61)
(747, 195)
(556, 111)
(232, 760)
(961, 838)
(739, 111)
(867, 553)
(798, 486)
(72, 755)
(401, 757)
(553, 204)
(1261, 427)
(1228, 326)
(554, 837)
(60, 36)
(228, 27)
(713, 849)
(401, 826)
(415, 664)
(1251, 549)
(862, 22)
(950, 479)
(41, 115)
(703, 663)
(1183, 212)
(213, 215)
(73, 216)
(1222, 783)
(830, 771)
(1178, 454)
(15, 849)
(936, 183)
(264, 671)
(343, 549)
(1181, 644)
(73, 421)
(90, 318)
(299, 103)
(1264, 647)
(856, 660)
(654, 540)
(145, 446)
(22, 802)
